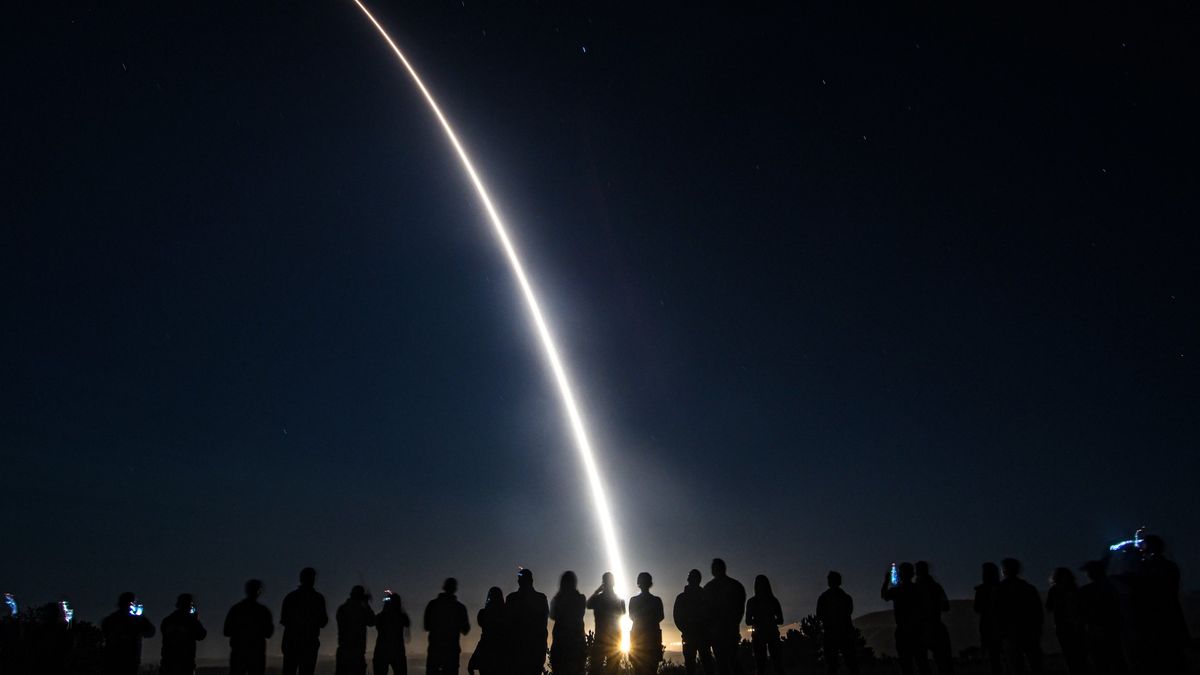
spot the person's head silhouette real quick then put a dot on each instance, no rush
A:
(126, 599)
(1154, 545)
(392, 599)
(693, 578)
(450, 586)
(762, 586)
(308, 577)
(1011, 567)
(905, 570)
(922, 569)
(606, 581)
(184, 601)
(254, 588)
(833, 579)
(991, 573)
(358, 592)
(525, 578)
(568, 582)
(1063, 577)
(1095, 570)
(718, 568)
(645, 581)
(495, 597)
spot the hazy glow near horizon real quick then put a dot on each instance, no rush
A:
(578, 429)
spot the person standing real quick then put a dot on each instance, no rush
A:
(353, 618)
(249, 625)
(123, 631)
(607, 610)
(645, 637)
(1161, 626)
(445, 621)
(989, 626)
(906, 608)
(181, 630)
(491, 654)
(728, 597)
(933, 603)
(764, 615)
(568, 650)
(1019, 611)
(835, 609)
(693, 617)
(391, 628)
(1100, 615)
(1062, 602)
(302, 617)
(528, 615)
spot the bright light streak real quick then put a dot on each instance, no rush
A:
(578, 429)
(1136, 542)
(11, 601)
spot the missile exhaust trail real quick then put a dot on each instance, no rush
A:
(578, 429)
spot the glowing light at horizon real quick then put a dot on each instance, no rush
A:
(578, 429)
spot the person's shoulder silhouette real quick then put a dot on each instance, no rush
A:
(568, 606)
(304, 614)
(445, 616)
(248, 622)
(835, 607)
(123, 632)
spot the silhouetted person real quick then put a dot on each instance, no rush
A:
(1062, 602)
(353, 618)
(645, 636)
(568, 650)
(302, 617)
(446, 621)
(528, 614)
(1019, 611)
(934, 636)
(181, 630)
(391, 628)
(764, 615)
(10, 636)
(693, 617)
(491, 654)
(1161, 627)
(45, 642)
(607, 610)
(835, 609)
(906, 608)
(248, 625)
(1100, 615)
(124, 630)
(728, 597)
(989, 624)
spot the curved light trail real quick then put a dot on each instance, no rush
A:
(578, 429)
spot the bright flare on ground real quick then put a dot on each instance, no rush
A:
(603, 513)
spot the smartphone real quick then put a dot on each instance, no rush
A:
(895, 575)
(135, 609)
(192, 609)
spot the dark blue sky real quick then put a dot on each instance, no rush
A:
(838, 287)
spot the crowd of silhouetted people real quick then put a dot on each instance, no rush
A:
(1129, 621)
(1126, 616)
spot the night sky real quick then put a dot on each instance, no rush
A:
(838, 287)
